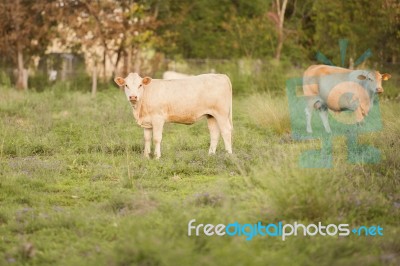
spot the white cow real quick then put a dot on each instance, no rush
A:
(174, 75)
(340, 89)
(185, 101)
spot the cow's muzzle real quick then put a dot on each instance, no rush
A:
(133, 98)
(379, 90)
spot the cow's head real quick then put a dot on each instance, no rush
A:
(372, 80)
(133, 86)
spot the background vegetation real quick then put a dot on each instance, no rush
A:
(136, 35)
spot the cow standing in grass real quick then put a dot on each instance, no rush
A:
(340, 89)
(184, 101)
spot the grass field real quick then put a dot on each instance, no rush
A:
(75, 189)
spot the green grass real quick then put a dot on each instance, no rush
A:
(75, 189)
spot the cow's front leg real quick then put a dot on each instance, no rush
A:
(308, 111)
(147, 142)
(158, 125)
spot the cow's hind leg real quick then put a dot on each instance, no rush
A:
(308, 111)
(214, 133)
(324, 117)
(147, 142)
(359, 114)
(226, 132)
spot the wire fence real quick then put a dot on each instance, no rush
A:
(247, 75)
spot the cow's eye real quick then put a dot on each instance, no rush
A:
(140, 85)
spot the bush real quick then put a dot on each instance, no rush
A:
(5, 80)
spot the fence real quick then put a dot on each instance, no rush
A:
(247, 75)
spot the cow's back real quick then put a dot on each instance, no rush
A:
(186, 100)
(312, 77)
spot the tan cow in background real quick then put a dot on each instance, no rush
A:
(184, 101)
(340, 89)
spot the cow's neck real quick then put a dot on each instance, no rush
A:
(137, 109)
(371, 98)
(137, 112)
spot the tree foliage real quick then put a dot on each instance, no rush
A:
(226, 29)
(293, 30)
(367, 24)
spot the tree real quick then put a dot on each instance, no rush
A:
(366, 24)
(391, 29)
(279, 18)
(119, 27)
(25, 30)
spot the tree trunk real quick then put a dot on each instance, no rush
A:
(280, 10)
(120, 53)
(138, 62)
(125, 69)
(94, 80)
(104, 64)
(280, 44)
(63, 70)
(22, 73)
(129, 66)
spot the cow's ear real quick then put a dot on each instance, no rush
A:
(386, 76)
(361, 77)
(146, 80)
(120, 81)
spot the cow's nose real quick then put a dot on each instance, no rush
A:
(132, 98)
(379, 90)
